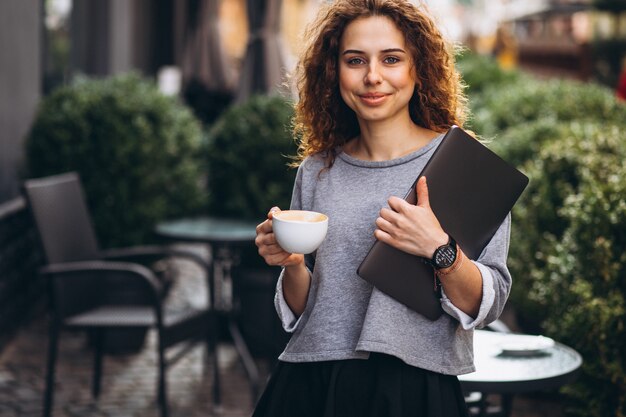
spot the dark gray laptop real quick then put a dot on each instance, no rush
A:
(471, 191)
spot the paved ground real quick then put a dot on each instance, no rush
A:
(129, 381)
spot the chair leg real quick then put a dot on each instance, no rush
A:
(507, 404)
(247, 360)
(162, 388)
(97, 362)
(52, 356)
(212, 342)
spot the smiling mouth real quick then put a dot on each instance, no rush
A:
(373, 98)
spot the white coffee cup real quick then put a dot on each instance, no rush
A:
(299, 231)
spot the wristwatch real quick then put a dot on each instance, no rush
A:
(444, 255)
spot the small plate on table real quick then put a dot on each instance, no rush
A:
(525, 345)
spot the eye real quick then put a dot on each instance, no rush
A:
(355, 61)
(391, 60)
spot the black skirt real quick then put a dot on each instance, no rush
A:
(381, 386)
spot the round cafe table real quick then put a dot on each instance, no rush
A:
(224, 237)
(212, 230)
(509, 374)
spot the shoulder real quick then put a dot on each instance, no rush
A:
(312, 161)
(312, 165)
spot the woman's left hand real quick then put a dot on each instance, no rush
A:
(412, 229)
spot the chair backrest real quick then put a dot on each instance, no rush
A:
(62, 218)
(67, 235)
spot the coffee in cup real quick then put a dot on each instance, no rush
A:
(299, 231)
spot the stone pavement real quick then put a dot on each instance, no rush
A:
(129, 381)
(128, 385)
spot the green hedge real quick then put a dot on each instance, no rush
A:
(500, 107)
(138, 152)
(568, 238)
(481, 72)
(578, 272)
(248, 154)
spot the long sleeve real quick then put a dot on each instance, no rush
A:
(496, 281)
(287, 317)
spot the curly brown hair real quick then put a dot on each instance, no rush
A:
(323, 121)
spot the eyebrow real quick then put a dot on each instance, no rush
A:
(386, 51)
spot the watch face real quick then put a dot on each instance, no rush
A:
(444, 256)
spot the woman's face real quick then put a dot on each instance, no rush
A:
(375, 70)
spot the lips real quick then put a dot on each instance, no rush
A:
(373, 99)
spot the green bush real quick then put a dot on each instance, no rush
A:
(568, 236)
(555, 172)
(496, 109)
(247, 157)
(521, 143)
(482, 72)
(571, 265)
(138, 152)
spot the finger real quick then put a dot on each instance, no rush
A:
(422, 193)
(399, 205)
(264, 240)
(272, 250)
(273, 246)
(273, 210)
(389, 215)
(264, 228)
(382, 236)
(277, 260)
(384, 225)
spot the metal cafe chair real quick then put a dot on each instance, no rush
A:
(96, 290)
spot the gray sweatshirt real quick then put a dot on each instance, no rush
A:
(346, 317)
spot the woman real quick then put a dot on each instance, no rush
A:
(378, 89)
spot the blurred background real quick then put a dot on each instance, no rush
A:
(177, 108)
(198, 49)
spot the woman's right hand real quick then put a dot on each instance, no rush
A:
(269, 248)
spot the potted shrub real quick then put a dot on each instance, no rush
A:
(138, 152)
(248, 155)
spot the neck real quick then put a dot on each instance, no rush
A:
(385, 140)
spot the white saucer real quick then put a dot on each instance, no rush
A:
(525, 345)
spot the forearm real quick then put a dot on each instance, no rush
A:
(296, 284)
(463, 286)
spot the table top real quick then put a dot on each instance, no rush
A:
(208, 230)
(497, 372)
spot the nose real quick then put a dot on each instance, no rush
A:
(373, 75)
